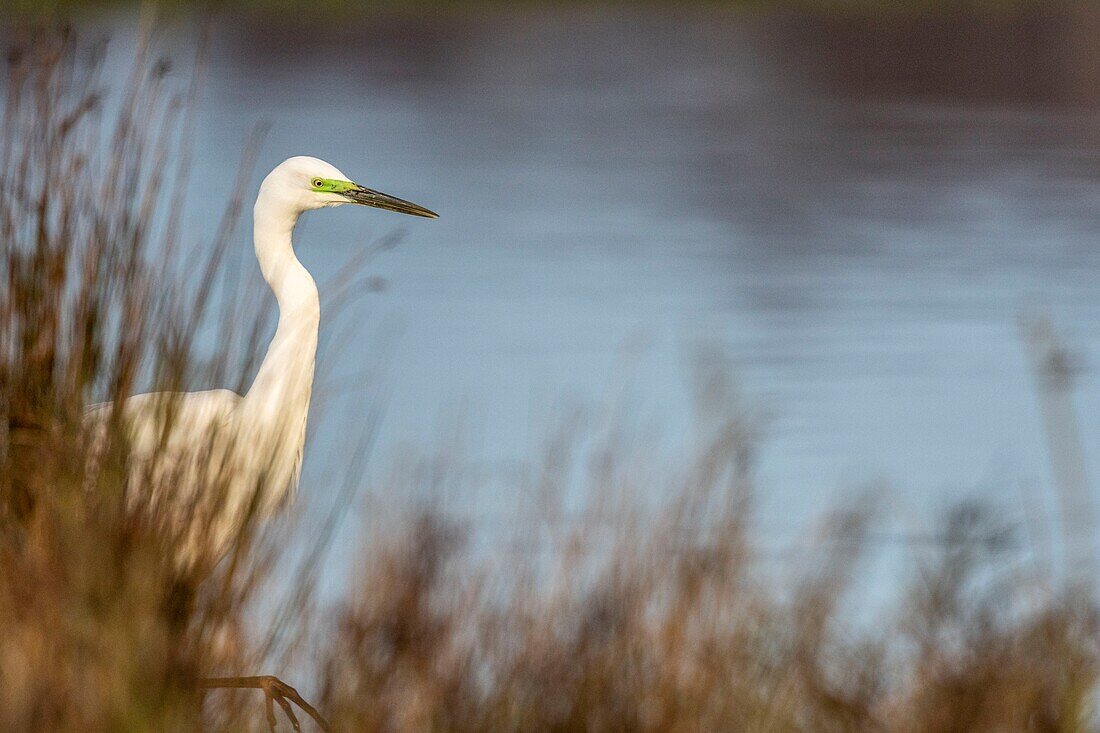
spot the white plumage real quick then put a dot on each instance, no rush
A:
(209, 458)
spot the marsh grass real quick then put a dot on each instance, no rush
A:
(104, 629)
(612, 614)
(675, 619)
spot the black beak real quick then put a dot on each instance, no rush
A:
(379, 200)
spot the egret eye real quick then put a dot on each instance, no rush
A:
(318, 182)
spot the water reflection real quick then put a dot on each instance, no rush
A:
(854, 205)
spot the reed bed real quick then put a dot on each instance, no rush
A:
(677, 619)
(608, 613)
(103, 628)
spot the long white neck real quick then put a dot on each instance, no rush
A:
(279, 396)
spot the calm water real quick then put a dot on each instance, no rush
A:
(853, 210)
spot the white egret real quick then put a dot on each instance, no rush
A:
(249, 446)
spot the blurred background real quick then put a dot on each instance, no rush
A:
(852, 204)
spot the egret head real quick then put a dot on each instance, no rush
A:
(305, 183)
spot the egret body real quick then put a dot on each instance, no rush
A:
(248, 447)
